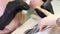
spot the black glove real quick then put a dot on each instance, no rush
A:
(11, 10)
(46, 5)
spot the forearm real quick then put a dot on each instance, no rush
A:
(10, 12)
(11, 27)
(14, 24)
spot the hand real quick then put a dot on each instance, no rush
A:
(49, 21)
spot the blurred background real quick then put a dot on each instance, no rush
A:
(56, 6)
(28, 20)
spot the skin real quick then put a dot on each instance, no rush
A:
(58, 21)
(34, 3)
(50, 20)
(14, 23)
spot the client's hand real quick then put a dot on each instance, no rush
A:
(49, 21)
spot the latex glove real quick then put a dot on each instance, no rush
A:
(10, 12)
(46, 4)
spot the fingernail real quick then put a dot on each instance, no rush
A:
(43, 28)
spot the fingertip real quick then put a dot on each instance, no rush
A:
(39, 28)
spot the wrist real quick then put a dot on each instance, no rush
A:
(6, 31)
